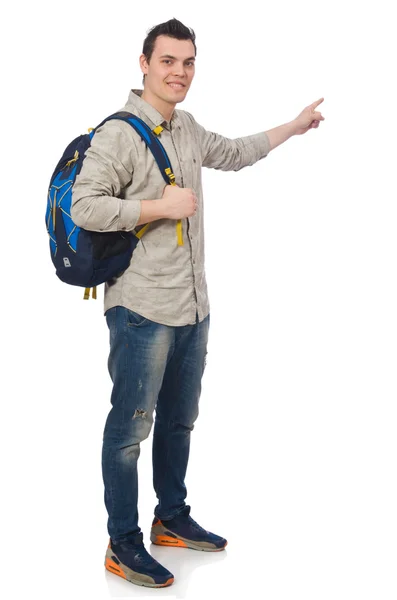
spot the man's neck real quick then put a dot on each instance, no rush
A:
(165, 108)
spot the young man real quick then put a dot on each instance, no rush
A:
(157, 311)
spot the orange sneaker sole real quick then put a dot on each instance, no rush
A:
(166, 540)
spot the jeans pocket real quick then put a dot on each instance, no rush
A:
(134, 319)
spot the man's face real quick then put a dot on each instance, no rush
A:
(172, 61)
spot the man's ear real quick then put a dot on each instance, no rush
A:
(143, 63)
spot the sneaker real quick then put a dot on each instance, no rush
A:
(183, 532)
(131, 561)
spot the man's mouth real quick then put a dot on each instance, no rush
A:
(176, 86)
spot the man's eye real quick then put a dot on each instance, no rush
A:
(168, 61)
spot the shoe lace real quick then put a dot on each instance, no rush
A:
(196, 526)
(143, 557)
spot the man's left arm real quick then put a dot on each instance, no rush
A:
(219, 152)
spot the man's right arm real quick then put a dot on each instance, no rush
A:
(108, 168)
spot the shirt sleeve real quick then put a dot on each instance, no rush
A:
(107, 168)
(219, 152)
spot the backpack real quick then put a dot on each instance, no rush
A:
(88, 258)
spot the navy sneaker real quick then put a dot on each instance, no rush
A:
(131, 561)
(183, 532)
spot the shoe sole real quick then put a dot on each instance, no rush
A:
(129, 575)
(159, 536)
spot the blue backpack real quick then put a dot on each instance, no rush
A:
(89, 258)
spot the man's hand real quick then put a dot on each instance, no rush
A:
(179, 203)
(176, 203)
(309, 118)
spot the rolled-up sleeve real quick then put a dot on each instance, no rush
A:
(219, 152)
(107, 168)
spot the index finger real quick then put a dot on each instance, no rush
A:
(317, 102)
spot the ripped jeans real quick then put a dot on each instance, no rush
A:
(152, 366)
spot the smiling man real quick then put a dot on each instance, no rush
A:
(167, 78)
(158, 311)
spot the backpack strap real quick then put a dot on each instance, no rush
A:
(87, 293)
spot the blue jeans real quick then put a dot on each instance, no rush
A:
(152, 366)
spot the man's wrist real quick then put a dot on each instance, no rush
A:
(294, 126)
(279, 135)
(152, 210)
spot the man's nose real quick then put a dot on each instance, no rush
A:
(179, 71)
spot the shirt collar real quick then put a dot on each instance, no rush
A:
(155, 118)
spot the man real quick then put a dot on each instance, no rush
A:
(157, 310)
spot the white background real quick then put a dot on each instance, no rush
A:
(293, 457)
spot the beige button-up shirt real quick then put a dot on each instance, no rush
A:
(165, 282)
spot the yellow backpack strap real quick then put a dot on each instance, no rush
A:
(179, 233)
(87, 293)
(142, 231)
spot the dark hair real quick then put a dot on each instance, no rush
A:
(173, 28)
